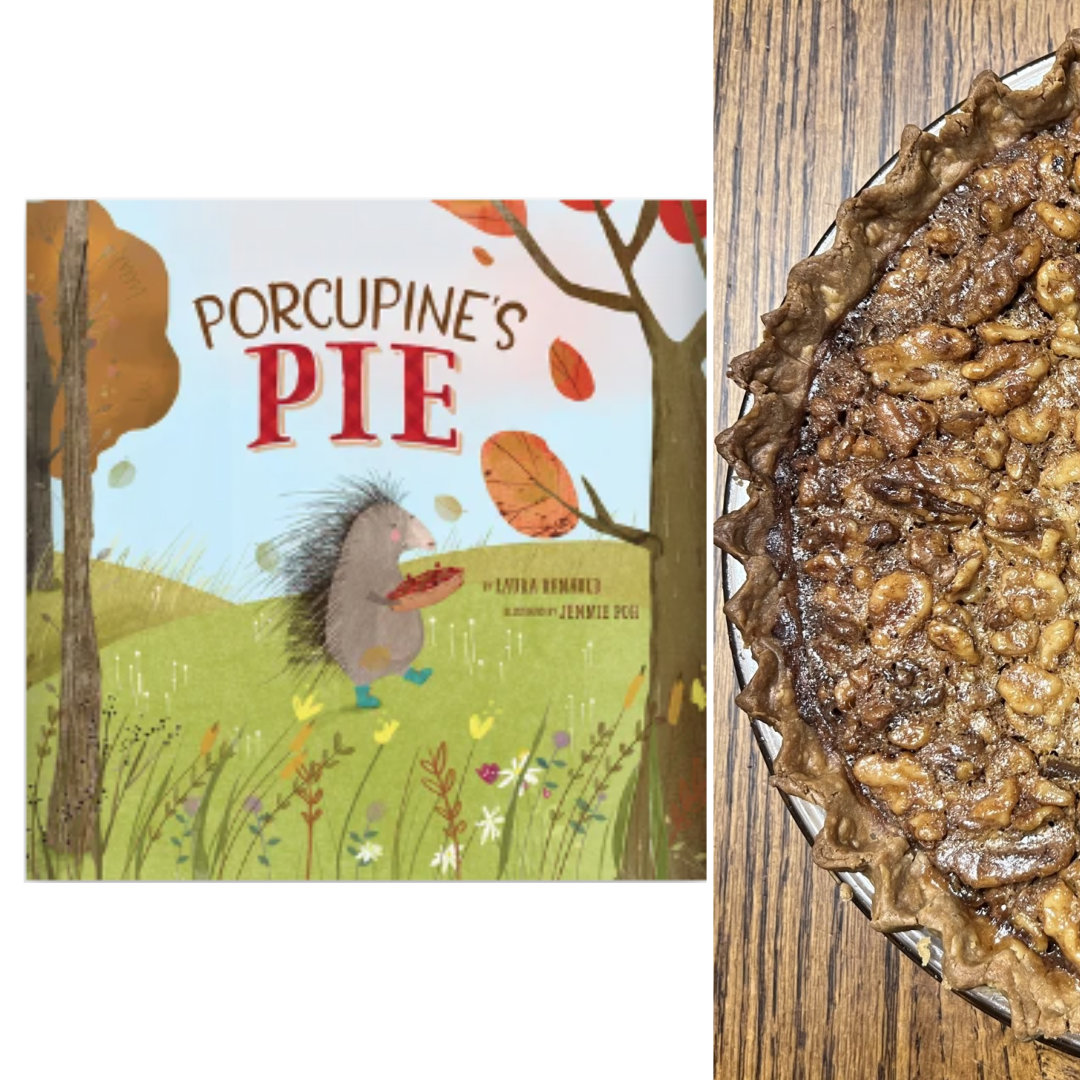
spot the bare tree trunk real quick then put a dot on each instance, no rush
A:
(40, 398)
(677, 642)
(73, 800)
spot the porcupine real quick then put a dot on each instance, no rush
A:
(340, 561)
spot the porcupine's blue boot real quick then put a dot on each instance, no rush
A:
(365, 699)
(418, 677)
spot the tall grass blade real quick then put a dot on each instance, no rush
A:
(622, 820)
(511, 810)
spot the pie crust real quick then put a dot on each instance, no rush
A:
(915, 883)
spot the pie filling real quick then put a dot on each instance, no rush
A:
(933, 502)
(412, 584)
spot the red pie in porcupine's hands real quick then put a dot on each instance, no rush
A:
(430, 587)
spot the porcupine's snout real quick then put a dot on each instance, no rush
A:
(417, 536)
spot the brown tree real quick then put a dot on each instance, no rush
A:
(73, 800)
(84, 391)
(40, 399)
(675, 538)
(132, 373)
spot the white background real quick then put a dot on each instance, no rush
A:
(571, 98)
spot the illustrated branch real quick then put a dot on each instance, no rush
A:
(693, 345)
(694, 342)
(650, 211)
(602, 297)
(695, 232)
(625, 263)
(605, 523)
(601, 520)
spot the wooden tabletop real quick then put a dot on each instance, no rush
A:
(811, 99)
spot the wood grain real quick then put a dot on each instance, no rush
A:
(811, 98)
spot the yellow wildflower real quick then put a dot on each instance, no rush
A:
(209, 739)
(305, 710)
(301, 736)
(697, 694)
(479, 728)
(386, 732)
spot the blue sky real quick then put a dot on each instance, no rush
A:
(197, 483)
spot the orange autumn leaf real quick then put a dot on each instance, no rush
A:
(569, 372)
(482, 256)
(132, 372)
(529, 485)
(673, 218)
(481, 213)
(585, 204)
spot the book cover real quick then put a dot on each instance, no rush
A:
(366, 540)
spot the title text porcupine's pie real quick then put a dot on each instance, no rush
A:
(912, 540)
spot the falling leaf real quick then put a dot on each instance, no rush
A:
(585, 204)
(121, 474)
(674, 220)
(103, 554)
(447, 507)
(569, 372)
(267, 557)
(482, 257)
(483, 215)
(529, 485)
